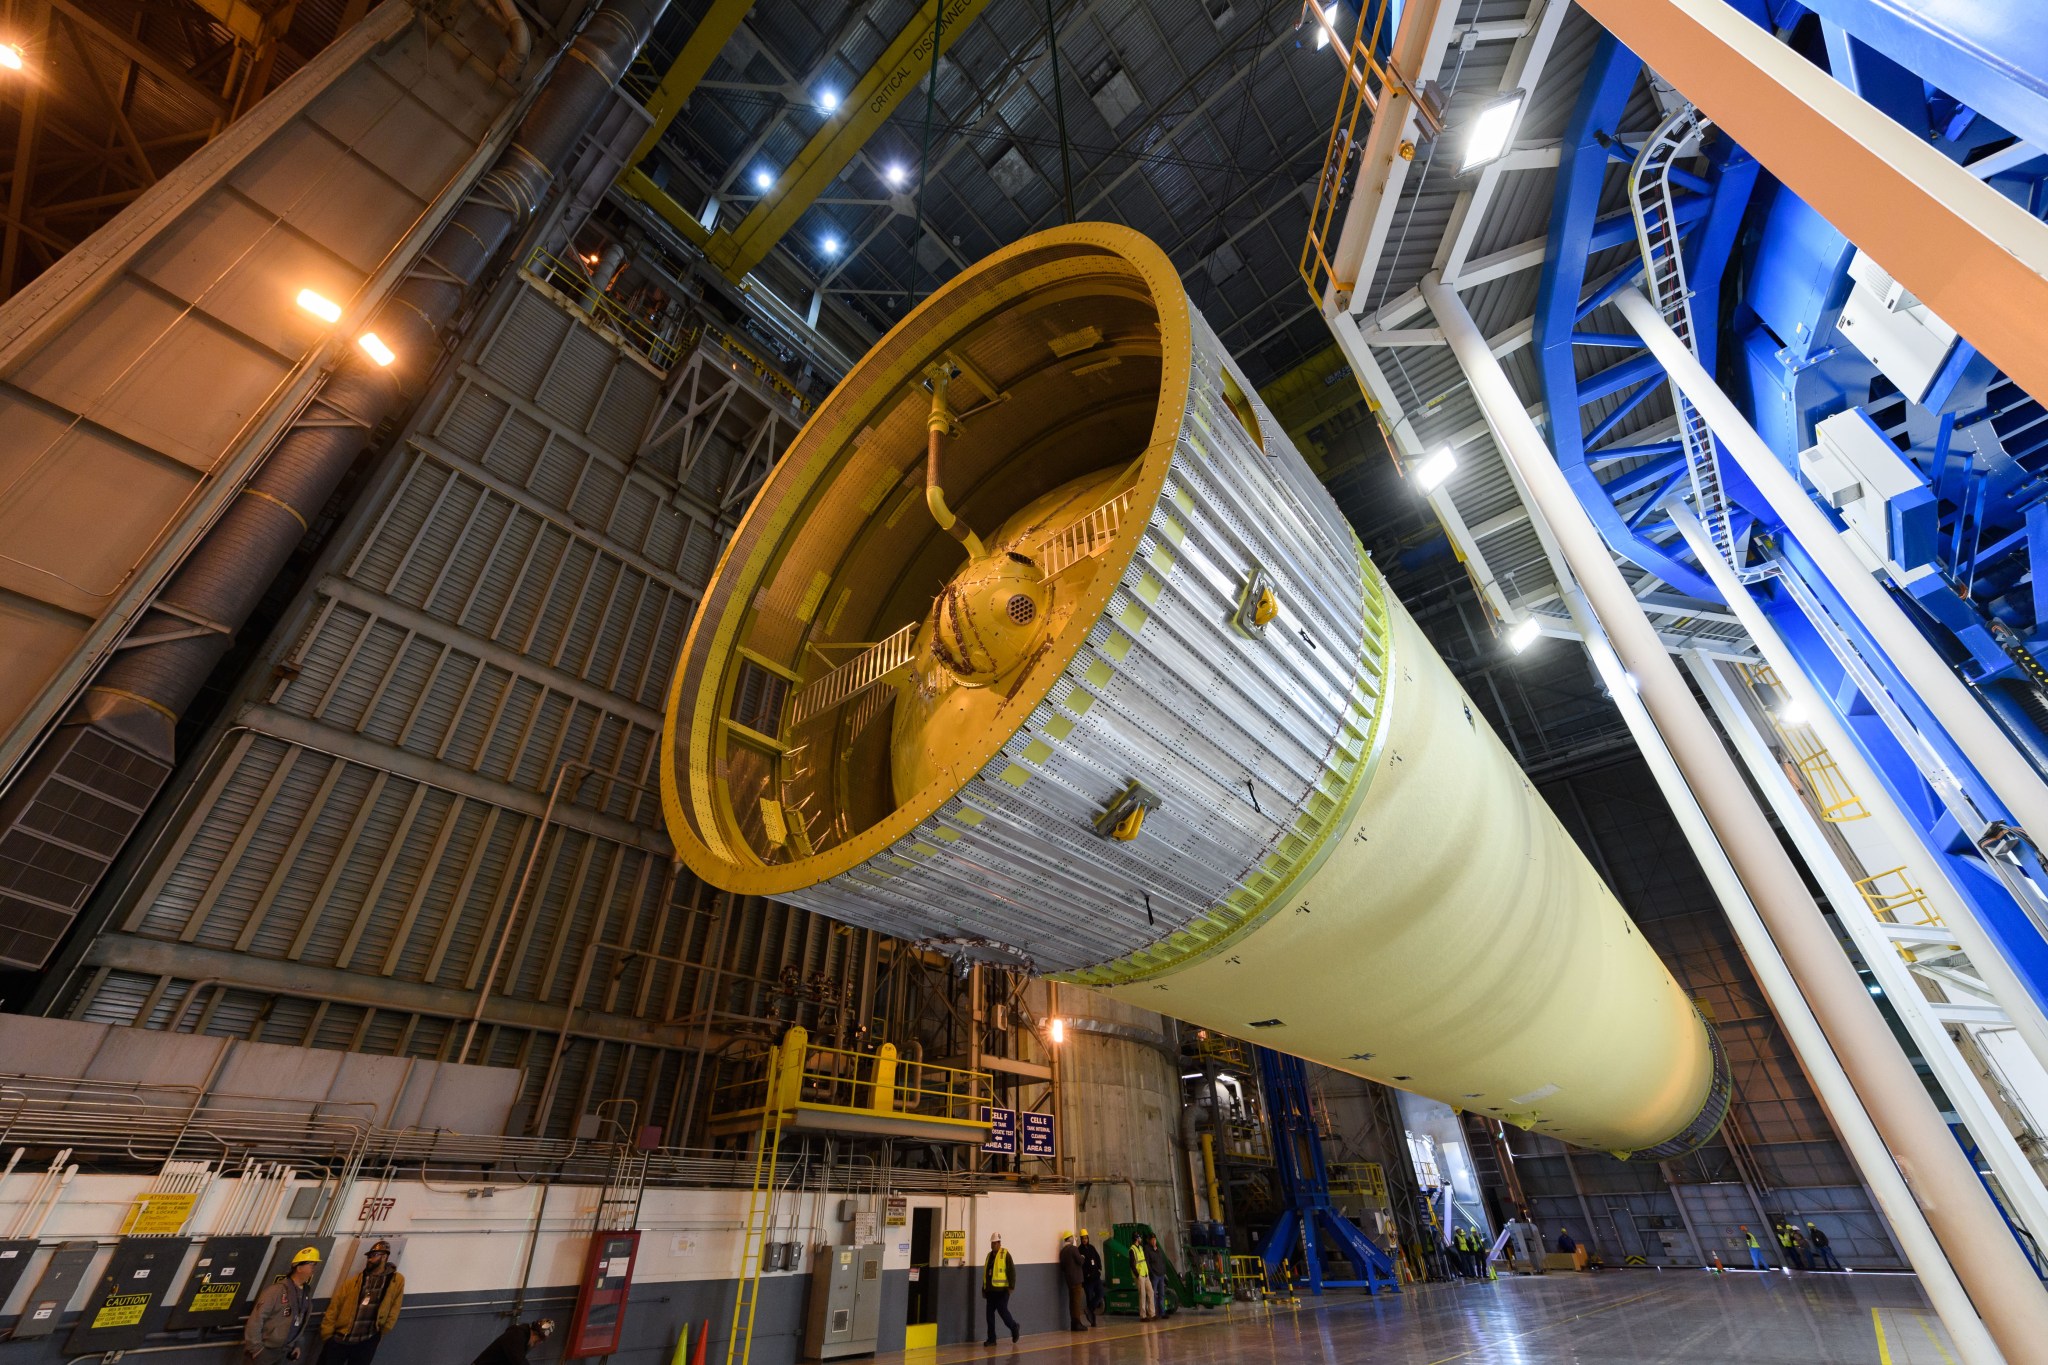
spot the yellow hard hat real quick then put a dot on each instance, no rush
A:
(1067, 1236)
(307, 1254)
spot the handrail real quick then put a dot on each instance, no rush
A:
(571, 281)
(1368, 81)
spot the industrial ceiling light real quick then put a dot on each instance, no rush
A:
(1492, 127)
(1431, 473)
(831, 245)
(763, 181)
(374, 347)
(10, 56)
(1524, 634)
(320, 306)
(895, 174)
(1058, 1032)
(828, 100)
(1324, 28)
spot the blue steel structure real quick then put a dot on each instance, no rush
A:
(1306, 1209)
(1968, 547)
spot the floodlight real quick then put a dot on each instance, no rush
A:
(828, 100)
(1431, 473)
(763, 181)
(321, 307)
(1491, 129)
(1324, 29)
(374, 347)
(1524, 634)
(10, 56)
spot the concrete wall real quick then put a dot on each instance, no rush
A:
(1121, 1091)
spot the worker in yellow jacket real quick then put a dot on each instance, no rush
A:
(362, 1310)
(1141, 1270)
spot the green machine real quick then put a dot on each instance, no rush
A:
(1206, 1285)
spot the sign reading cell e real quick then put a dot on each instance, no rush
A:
(600, 1316)
(125, 1305)
(1034, 1134)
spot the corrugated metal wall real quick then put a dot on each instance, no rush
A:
(495, 623)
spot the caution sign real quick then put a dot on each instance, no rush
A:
(220, 1283)
(122, 1310)
(158, 1215)
(125, 1305)
(953, 1246)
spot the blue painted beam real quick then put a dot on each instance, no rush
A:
(1618, 376)
(1990, 57)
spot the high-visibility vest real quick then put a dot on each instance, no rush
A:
(999, 1270)
(1785, 1238)
(1138, 1264)
(1750, 1238)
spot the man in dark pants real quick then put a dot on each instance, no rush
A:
(1091, 1275)
(362, 1310)
(1073, 1274)
(998, 1278)
(1823, 1255)
(515, 1344)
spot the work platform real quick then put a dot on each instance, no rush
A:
(832, 1090)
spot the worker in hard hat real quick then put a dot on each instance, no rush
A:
(515, 1344)
(362, 1310)
(998, 1278)
(1091, 1276)
(1141, 1271)
(277, 1324)
(1074, 1274)
(1756, 1253)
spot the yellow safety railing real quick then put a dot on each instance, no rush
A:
(571, 280)
(1363, 1178)
(799, 1075)
(1895, 898)
(1837, 801)
(743, 355)
(1369, 80)
(1249, 1282)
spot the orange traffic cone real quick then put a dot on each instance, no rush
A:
(703, 1351)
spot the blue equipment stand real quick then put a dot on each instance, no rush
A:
(1305, 1187)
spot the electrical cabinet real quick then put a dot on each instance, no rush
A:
(845, 1305)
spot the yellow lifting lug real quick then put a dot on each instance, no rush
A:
(1125, 816)
(1257, 603)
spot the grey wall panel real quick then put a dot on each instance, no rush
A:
(494, 624)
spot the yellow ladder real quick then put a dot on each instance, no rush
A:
(784, 1084)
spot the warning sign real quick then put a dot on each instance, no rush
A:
(158, 1215)
(954, 1245)
(214, 1298)
(121, 1310)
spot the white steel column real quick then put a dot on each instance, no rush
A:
(1902, 840)
(1999, 1280)
(2022, 1187)
(1852, 1121)
(2007, 772)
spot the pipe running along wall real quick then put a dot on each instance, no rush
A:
(97, 774)
(1164, 734)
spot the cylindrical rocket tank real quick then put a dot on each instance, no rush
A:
(1146, 719)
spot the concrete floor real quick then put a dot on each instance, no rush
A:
(1612, 1318)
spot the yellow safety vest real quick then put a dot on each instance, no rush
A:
(999, 1272)
(1138, 1263)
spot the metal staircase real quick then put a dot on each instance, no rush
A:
(1657, 235)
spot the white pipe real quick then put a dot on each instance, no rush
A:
(1986, 1258)
(2002, 766)
(2027, 1201)
(1991, 964)
(1830, 1082)
(1852, 1121)
(56, 1197)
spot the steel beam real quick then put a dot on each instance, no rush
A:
(864, 109)
(1974, 257)
(706, 41)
